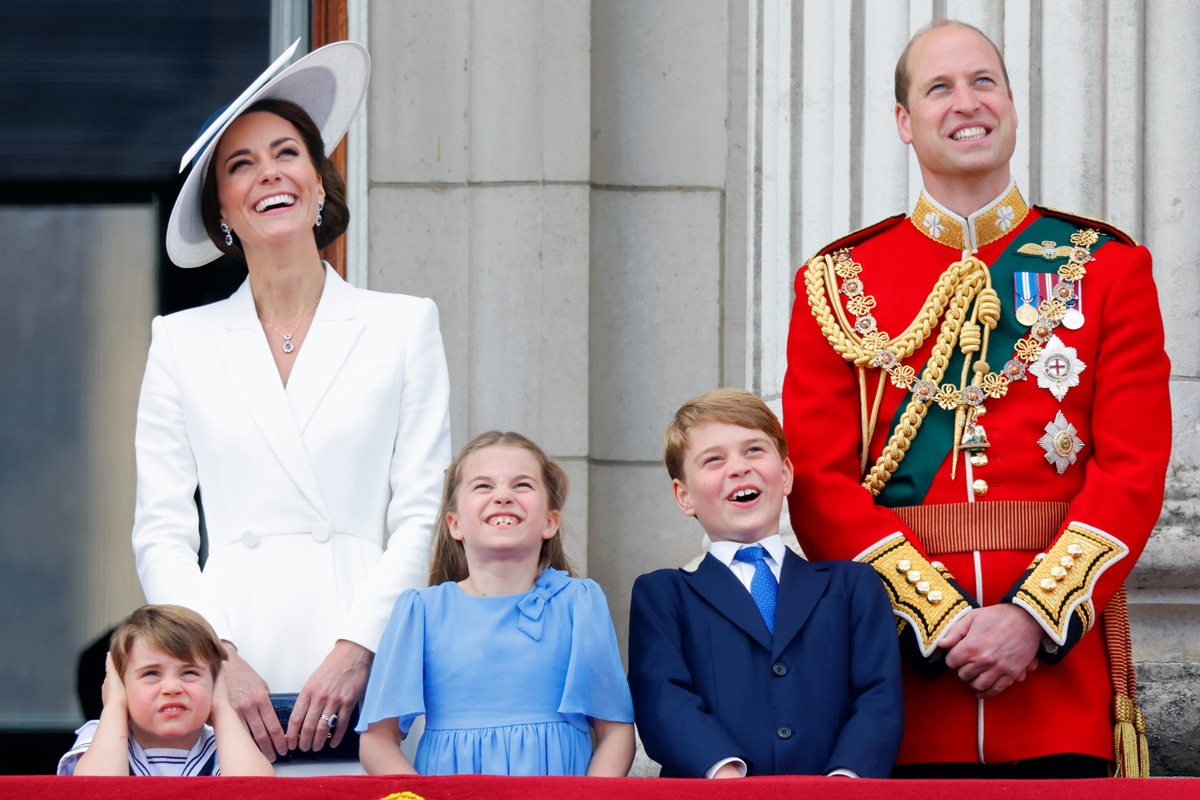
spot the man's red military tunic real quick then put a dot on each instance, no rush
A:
(1008, 526)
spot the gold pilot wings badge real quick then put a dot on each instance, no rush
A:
(1047, 250)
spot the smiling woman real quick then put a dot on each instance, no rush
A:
(277, 137)
(316, 518)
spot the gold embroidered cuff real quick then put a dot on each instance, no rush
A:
(1062, 582)
(920, 592)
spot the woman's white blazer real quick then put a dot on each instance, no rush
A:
(318, 499)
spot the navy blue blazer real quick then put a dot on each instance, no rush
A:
(709, 681)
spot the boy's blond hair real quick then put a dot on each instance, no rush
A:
(731, 406)
(177, 631)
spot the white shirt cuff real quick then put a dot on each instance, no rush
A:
(737, 762)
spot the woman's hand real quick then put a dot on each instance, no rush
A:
(249, 697)
(333, 689)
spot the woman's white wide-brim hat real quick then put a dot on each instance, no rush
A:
(329, 83)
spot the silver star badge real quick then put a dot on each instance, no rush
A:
(1058, 368)
(1060, 443)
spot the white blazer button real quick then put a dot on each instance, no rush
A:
(249, 539)
(321, 531)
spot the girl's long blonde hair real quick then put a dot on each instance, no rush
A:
(449, 561)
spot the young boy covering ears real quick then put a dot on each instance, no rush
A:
(166, 709)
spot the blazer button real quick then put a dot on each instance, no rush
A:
(783, 732)
(779, 668)
(249, 539)
(320, 531)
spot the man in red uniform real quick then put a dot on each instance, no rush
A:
(977, 402)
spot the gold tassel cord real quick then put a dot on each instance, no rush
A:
(974, 339)
(1125, 739)
(875, 408)
(1130, 748)
(862, 409)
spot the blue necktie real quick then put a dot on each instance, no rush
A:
(763, 586)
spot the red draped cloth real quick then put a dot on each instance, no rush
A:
(482, 787)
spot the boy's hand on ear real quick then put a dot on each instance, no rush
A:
(220, 700)
(113, 690)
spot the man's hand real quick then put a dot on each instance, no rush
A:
(993, 647)
(249, 697)
(333, 689)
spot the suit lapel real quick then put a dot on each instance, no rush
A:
(329, 341)
(242, 347)
(721, 589)
(800, 587)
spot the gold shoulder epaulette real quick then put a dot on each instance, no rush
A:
(1089, 222)
(858, 236)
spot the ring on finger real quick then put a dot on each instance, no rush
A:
(331, 721)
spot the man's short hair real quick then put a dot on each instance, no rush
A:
(177, 631)
(903, 79)
(731, 406)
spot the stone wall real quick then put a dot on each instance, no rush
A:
(608, 201)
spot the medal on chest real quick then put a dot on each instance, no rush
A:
(1057, 368)
(1061, 443)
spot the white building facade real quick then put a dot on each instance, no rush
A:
(608, 200)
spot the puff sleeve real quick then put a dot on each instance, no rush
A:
(396, 688)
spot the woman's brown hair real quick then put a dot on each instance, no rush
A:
(449, 557)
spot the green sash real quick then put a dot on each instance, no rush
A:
(935, 439)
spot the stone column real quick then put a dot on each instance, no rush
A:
(659, 146)
(479, 198)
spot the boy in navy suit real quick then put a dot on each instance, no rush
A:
(755, 661)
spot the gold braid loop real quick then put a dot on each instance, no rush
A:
(950, 301)
(814, 280)
(987, 308)
(971, 337)
(820, 286)
(975, 274)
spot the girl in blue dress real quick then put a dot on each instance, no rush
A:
(512, 661)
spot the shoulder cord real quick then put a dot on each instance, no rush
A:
(953, 295)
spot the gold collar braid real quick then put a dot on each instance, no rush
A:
(989, 224)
